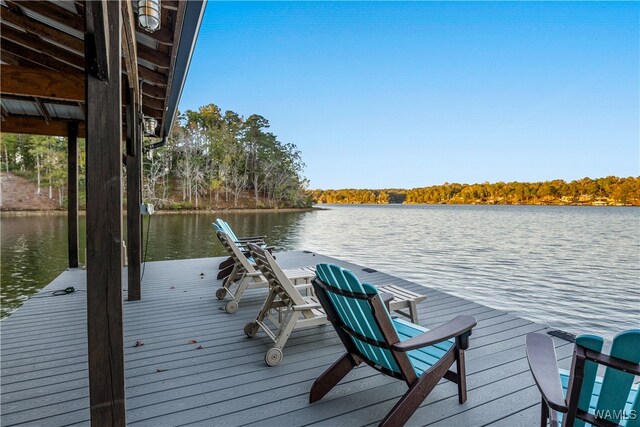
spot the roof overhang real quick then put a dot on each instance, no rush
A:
(42, 57)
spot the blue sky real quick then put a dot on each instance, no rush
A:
(411, 94)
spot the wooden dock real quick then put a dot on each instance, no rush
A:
(196, 366)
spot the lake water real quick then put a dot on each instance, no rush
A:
(574, 268)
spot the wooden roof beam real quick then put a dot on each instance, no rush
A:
(151, 112)
(157, 58)
(96, 41)
(152, 91)
(154, 77)
(74, 75)
(37, 126)
(41, 83)
(11, 59)
(63, 16)
(129, 48)
(161, 35)
(156, 104)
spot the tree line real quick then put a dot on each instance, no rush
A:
(610, 190)
(211, 160)
(42, 159)
(220, 159)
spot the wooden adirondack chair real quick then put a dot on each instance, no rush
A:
(285, 308)
(571, 398)
(245, 276)
(394, 347)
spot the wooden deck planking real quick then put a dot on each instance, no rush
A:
(172, 382)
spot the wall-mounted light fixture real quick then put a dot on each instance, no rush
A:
(150, 125)
(149, 14)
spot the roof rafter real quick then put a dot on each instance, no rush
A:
(42, 46)
(43, 30)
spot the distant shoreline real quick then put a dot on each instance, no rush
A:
(320, 207)
(488, 204)
(165, 212)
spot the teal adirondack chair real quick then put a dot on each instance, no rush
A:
(580, 397)
(394, 347)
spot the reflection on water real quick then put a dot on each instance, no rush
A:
(34, 247)
(34, 252)
(575, 268)
(191, 236)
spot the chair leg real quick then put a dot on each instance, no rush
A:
(331, 377)
(462, 375)
(418, 392)
(286, 329)
(266, 306)
(231, 278)
(242, 286)
(544, 414)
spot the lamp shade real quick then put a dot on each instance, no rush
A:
(150, 125)
(149, 14)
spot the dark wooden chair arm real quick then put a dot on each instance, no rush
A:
(386, 299)
(459, 326)
(541, 355)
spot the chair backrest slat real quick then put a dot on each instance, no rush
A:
(235, 252)
(227, 229)
(342, 308)
(616, 384)
(592, 342)
(635, 407)
(357, 314)
(274, 275)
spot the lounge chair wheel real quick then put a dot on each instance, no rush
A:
(251, 329)
(221, 293)
(231, 307)
(273, 356)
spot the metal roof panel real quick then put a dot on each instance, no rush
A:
(63, 111)
(20, 107)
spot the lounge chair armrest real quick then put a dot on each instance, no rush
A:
(306, 306)
(254, 274)
(459, 327)
(541, 355)
(386, 299)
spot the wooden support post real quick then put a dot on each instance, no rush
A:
(104, 212)
(134, 199)
(72, 185)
